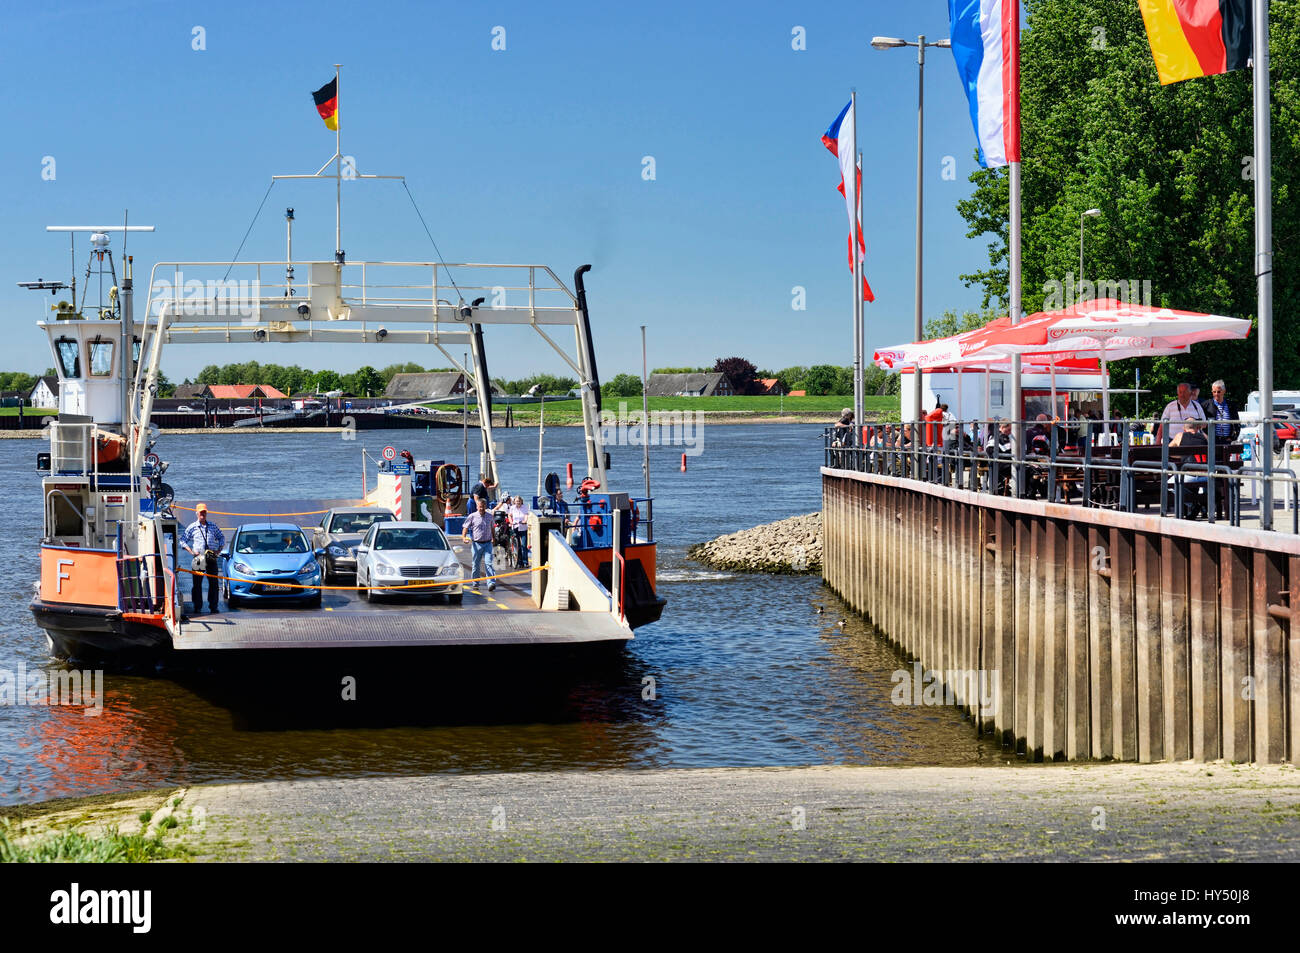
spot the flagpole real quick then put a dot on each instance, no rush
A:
(1014, 234)
(860, 311)
(338, 176)
(857, 278)
(1264, 251)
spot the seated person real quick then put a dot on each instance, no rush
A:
(999, 442)
(1193, 435)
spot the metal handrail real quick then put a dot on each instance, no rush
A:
(1109, 481)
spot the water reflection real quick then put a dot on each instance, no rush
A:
(745, 670)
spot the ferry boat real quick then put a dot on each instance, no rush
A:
(112, 579)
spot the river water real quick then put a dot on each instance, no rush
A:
(746, 671)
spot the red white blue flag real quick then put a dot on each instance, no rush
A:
(839, 139)
(986, 46)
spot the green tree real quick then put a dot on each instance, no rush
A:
(791, 376)
(1169, 168)
(739, 373)
(821, 379)
(622, 385)
(326, 381)
(209, 375)
(365, 382)
(410, 367)
(950, 323)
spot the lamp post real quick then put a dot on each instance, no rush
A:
(889, 43)
(537, 391)
(1105, 388)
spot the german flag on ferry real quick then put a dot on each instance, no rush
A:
(1191, 38)
(327, 103)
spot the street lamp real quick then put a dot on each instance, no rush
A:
(1091, 213)
(889, 43)
(540, 393)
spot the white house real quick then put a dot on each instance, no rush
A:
(45, 393)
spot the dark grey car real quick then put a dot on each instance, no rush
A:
(340, 532)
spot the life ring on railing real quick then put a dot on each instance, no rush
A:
(448, 482)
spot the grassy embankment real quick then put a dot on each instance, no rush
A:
(28, 411)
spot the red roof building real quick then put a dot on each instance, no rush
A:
(244, 392)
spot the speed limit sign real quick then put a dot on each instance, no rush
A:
(390, 453)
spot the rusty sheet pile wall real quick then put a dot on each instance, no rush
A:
(1098, 634)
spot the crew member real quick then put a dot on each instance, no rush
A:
(203, 540)
(482, 490)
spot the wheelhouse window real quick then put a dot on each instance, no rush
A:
(101, 358)
(69, 357)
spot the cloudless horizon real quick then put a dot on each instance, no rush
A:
(531, 154)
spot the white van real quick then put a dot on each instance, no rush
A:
(1282, 400)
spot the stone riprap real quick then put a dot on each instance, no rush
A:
(792, 545)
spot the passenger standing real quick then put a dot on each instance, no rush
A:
(1226, 424)
(203, 540)
(478, 532)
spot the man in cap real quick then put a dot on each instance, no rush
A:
(203, 540)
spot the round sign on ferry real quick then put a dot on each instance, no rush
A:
(390, 453)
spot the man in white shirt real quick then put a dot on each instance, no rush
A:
(1181, 409)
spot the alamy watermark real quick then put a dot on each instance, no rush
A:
(979, 688)
(216, 297)
(42, 688)
(1067, 293)
(660, 428)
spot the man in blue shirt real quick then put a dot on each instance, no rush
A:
(203, 540)
(477, 530)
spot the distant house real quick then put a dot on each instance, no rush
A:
(45, 393)
(710, 384)
(245, 392)
(229, 392)
(768, 385)
(797, 393)
(430, 385)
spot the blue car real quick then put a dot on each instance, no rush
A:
(270, 563)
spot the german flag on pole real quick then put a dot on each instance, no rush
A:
(327, 103)
(1191, 38)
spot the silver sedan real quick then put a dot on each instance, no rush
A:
(395, 555)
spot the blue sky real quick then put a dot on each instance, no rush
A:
(531, 154)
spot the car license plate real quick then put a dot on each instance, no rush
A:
(270, 588)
